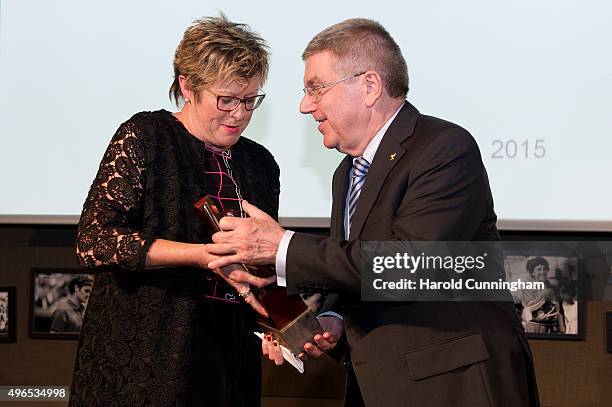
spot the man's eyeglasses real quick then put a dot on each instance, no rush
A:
(315, 91)
(229, 103)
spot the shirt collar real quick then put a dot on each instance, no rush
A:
(372, 146)
(77, 307)
(217, 150)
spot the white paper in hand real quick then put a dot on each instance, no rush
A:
(287, 355)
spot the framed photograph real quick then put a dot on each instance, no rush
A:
(7, 314)
(608, 253)
(554, 310)
(58, 301)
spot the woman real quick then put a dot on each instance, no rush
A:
(159, 328)
(540, 313)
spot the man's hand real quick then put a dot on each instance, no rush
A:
(327, 341)
(252, 240)
(321, 343)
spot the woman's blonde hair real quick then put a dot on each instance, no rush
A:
(214, 49)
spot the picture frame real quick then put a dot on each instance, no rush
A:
(7, 314)
(557, 310)
(57, 302)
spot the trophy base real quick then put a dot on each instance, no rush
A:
(295, 334)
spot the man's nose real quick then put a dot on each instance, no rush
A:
(307, 105)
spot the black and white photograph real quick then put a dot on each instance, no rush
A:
(59, 299)
(554, 311)
(7, 314)
(608, 253)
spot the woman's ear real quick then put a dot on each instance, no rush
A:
(187, 93)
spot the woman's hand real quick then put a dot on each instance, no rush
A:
(243, 289)
(236, 271)
(530, 307)
(271, 348)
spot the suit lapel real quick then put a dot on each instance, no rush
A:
(339, 191)
(389, 153)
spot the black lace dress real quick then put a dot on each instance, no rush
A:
(168, 336)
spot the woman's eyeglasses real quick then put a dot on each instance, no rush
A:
(229, 103)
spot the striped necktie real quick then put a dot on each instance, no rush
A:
(360, 169)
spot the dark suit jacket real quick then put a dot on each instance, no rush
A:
(426, 182)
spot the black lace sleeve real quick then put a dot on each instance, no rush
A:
(108, 231)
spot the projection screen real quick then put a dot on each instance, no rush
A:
(530, 80)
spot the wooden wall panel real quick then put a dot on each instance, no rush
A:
(570, 373)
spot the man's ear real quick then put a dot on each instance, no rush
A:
(374, 87)
(187, 93)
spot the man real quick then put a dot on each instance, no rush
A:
(406, 176)
(68, 316)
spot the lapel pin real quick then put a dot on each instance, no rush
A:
(392, 156)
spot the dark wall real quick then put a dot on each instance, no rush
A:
(570, 373)
(50, 361)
